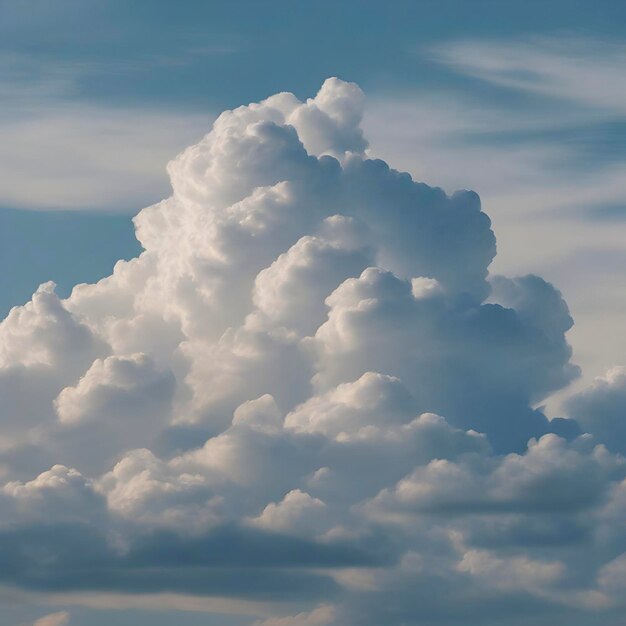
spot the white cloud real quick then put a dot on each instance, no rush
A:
(43, 347)
(551, 476)
(307, 386)
(110, 385)
(54, 145)
(585, 71)
(295, 513)
(354, 409)
(321, 615)
(601, 408)
(61, 618)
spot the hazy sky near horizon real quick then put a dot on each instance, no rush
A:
(522, 102)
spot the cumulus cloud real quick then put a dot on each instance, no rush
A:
(308, 392)
(551, 477)
(295, 512)
(601, 408)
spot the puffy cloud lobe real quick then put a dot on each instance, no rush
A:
(292, 290)
(296, 512)
(44, 332)
(307, 389)
(117, 387)
(260, 458)
(601, 409)
(329, 123)
(43, 348)
(471, 364)
(356, 409)
(62, 493)
(143, 488)
(552, 477)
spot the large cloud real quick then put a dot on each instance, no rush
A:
(308, 390)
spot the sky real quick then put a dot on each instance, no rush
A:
(269, 367)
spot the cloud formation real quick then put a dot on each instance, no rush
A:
(601, 408)
(585, 71)
(309, 393)
(53, 619)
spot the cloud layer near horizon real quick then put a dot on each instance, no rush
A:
(308, 393)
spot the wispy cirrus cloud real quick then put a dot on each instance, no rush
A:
(47, 160)
(582, 71)
(47, 157)
(61, 618)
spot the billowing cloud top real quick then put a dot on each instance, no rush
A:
(308, 394)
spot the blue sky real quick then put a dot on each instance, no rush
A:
(218, 55)
(523, 102)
